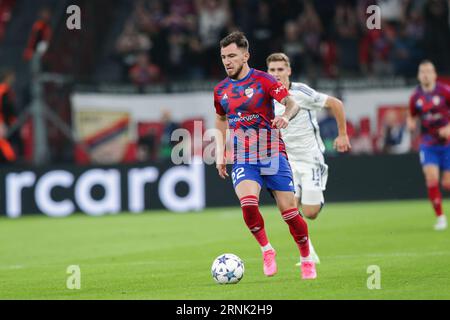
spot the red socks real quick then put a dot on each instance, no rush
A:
(253, 219)
(434, 194)
(298, 229)
(255, 222)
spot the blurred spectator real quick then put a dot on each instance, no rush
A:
(310, 30)
(176, 54)
(362, 142)
(261, 35)
(166, 144)
(6, 7)
(40, 35)
(292, 46)
(147, 147)
(144, 72)
(7, 115)
(405, 55)
(194, 54)
(129, 43)
(346, 25)
(395, 136)
(213, 16)
(437, 33)
(382, 46)
(181, 36)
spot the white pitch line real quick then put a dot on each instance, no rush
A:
(336, 257)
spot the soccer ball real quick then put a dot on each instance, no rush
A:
(227, 268)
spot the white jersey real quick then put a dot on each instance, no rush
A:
(302, 136)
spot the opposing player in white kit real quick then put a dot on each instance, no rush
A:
(302, 138)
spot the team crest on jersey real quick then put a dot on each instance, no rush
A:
(225, 97)
(436, 100)
(419, 103)
(249, 92)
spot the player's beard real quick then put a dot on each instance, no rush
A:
(236, 74)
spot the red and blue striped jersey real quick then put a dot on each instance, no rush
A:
(249, 108)
(433, 110)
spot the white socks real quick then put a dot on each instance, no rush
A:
(267, 247)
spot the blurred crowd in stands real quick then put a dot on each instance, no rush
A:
(163, 41)
(173, 40)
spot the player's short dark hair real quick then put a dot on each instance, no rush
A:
(278, 56)
(236, 37)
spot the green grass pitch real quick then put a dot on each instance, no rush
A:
(162, 255)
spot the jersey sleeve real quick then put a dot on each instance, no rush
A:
(275, 89)
(309, 98)
(217, 105)
(278, 91)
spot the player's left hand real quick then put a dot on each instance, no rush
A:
(222, 169)
(444, 132)
(342, 143)
(280, 122)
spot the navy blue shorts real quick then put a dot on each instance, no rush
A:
(275, 175)
(435, 155)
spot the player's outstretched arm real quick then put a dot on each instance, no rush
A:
(221, 126)
(292, 108)
(342, 142)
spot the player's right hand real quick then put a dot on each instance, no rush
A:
(280, 122)
(222, 169)
(342, 143)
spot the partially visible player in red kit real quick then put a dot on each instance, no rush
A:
(430, 104)
(243, 103)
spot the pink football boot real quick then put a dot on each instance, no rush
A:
(308, 270)
(270, 265)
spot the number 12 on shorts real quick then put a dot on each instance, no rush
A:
(237, 174)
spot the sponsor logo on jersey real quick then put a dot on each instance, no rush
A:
(246, 118)
(225, 97)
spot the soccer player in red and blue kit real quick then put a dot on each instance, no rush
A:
(430, 103)
(243, 103)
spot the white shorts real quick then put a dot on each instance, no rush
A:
(310, 179)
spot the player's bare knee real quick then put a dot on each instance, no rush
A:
(432, 182)
(446, 185)
(311, 212)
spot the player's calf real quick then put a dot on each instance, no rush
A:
(298, 229)
(255, 223)
(253, 219)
